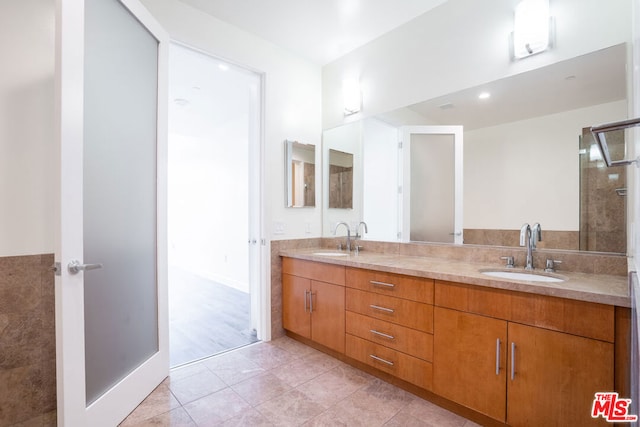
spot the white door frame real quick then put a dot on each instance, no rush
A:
(122, 398)
(260, 293)
(405, 173)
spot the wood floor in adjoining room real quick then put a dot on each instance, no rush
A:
(205, 318)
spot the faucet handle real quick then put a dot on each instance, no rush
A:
(551, 265)
(510, 261)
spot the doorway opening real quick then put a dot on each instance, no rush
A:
(213, 205)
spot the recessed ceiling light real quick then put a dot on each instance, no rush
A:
(446, 106)
(181, 102)
(484, 95)
(570, 78)
(223, 67)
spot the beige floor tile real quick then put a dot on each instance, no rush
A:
(295, 347)
(160, 401)
(304, 369)
(266, 355)
(217, 408)
(335, 385)
(175, 418)
(233, 368)
(194, 387)
(290, 409)
(186, 371)
(405, 420)
(261, 388)
(251, 418)
(433, 414)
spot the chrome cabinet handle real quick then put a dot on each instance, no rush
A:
(376, 283)
(377, 307)
(373, 331)
(380, 359)
(310, 302)
(513, 360)
(75, 267)
(498, 356)
(305, 300)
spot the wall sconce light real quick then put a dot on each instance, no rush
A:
(352, 96)
(531, 28)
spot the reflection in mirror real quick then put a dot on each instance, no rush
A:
(521, 145)
(432, 188)
(340, 179)
(300, 174)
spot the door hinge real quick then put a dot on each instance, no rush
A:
(263, 242)
(399, 235)
(399, 145)
(399, 189)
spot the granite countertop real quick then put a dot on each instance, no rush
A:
(599, 288)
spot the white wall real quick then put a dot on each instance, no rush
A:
(27, 136)
(292, 101)
(461, 44)
(514, 172)
(380, 180)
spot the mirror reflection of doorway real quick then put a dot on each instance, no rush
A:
(214, 122)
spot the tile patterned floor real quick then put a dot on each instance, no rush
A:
(283, 383)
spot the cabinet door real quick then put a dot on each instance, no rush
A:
(469, 360)
(296, 316)
(555, 377)
(328, 314)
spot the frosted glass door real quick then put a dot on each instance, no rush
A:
(119, 194)
(432, 184)
(432, 188)
(111, 322)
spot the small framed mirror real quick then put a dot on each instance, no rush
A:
(300, 174)
(340, 180)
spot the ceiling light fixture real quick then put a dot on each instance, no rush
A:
(484, 95)
(532, 28)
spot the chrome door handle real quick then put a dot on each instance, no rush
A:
(75, 267)
(385, 309)
(380, 359)
(498, 356)
(513, 361)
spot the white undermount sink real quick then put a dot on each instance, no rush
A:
(331, 253)
(523, 275)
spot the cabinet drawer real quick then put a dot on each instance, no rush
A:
(400, 365)
(581, 318)
(412, 288)
(396, 310)
(320, 271)
(414, 343)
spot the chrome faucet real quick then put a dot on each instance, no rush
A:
(335, 230)
(358, 229)
(529, 236)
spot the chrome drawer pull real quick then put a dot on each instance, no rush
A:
(498, 356)
(377, 307)
(376, 283)
(513, 360)
(373, 331)
(379, 359)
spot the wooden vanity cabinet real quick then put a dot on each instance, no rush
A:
(470, 361)
(389, 324)
(313, 301)
(526, 360)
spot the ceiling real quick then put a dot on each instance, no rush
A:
(595, 78)
(319, 30)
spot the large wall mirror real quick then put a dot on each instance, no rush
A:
(300, 174)
(526, 157)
